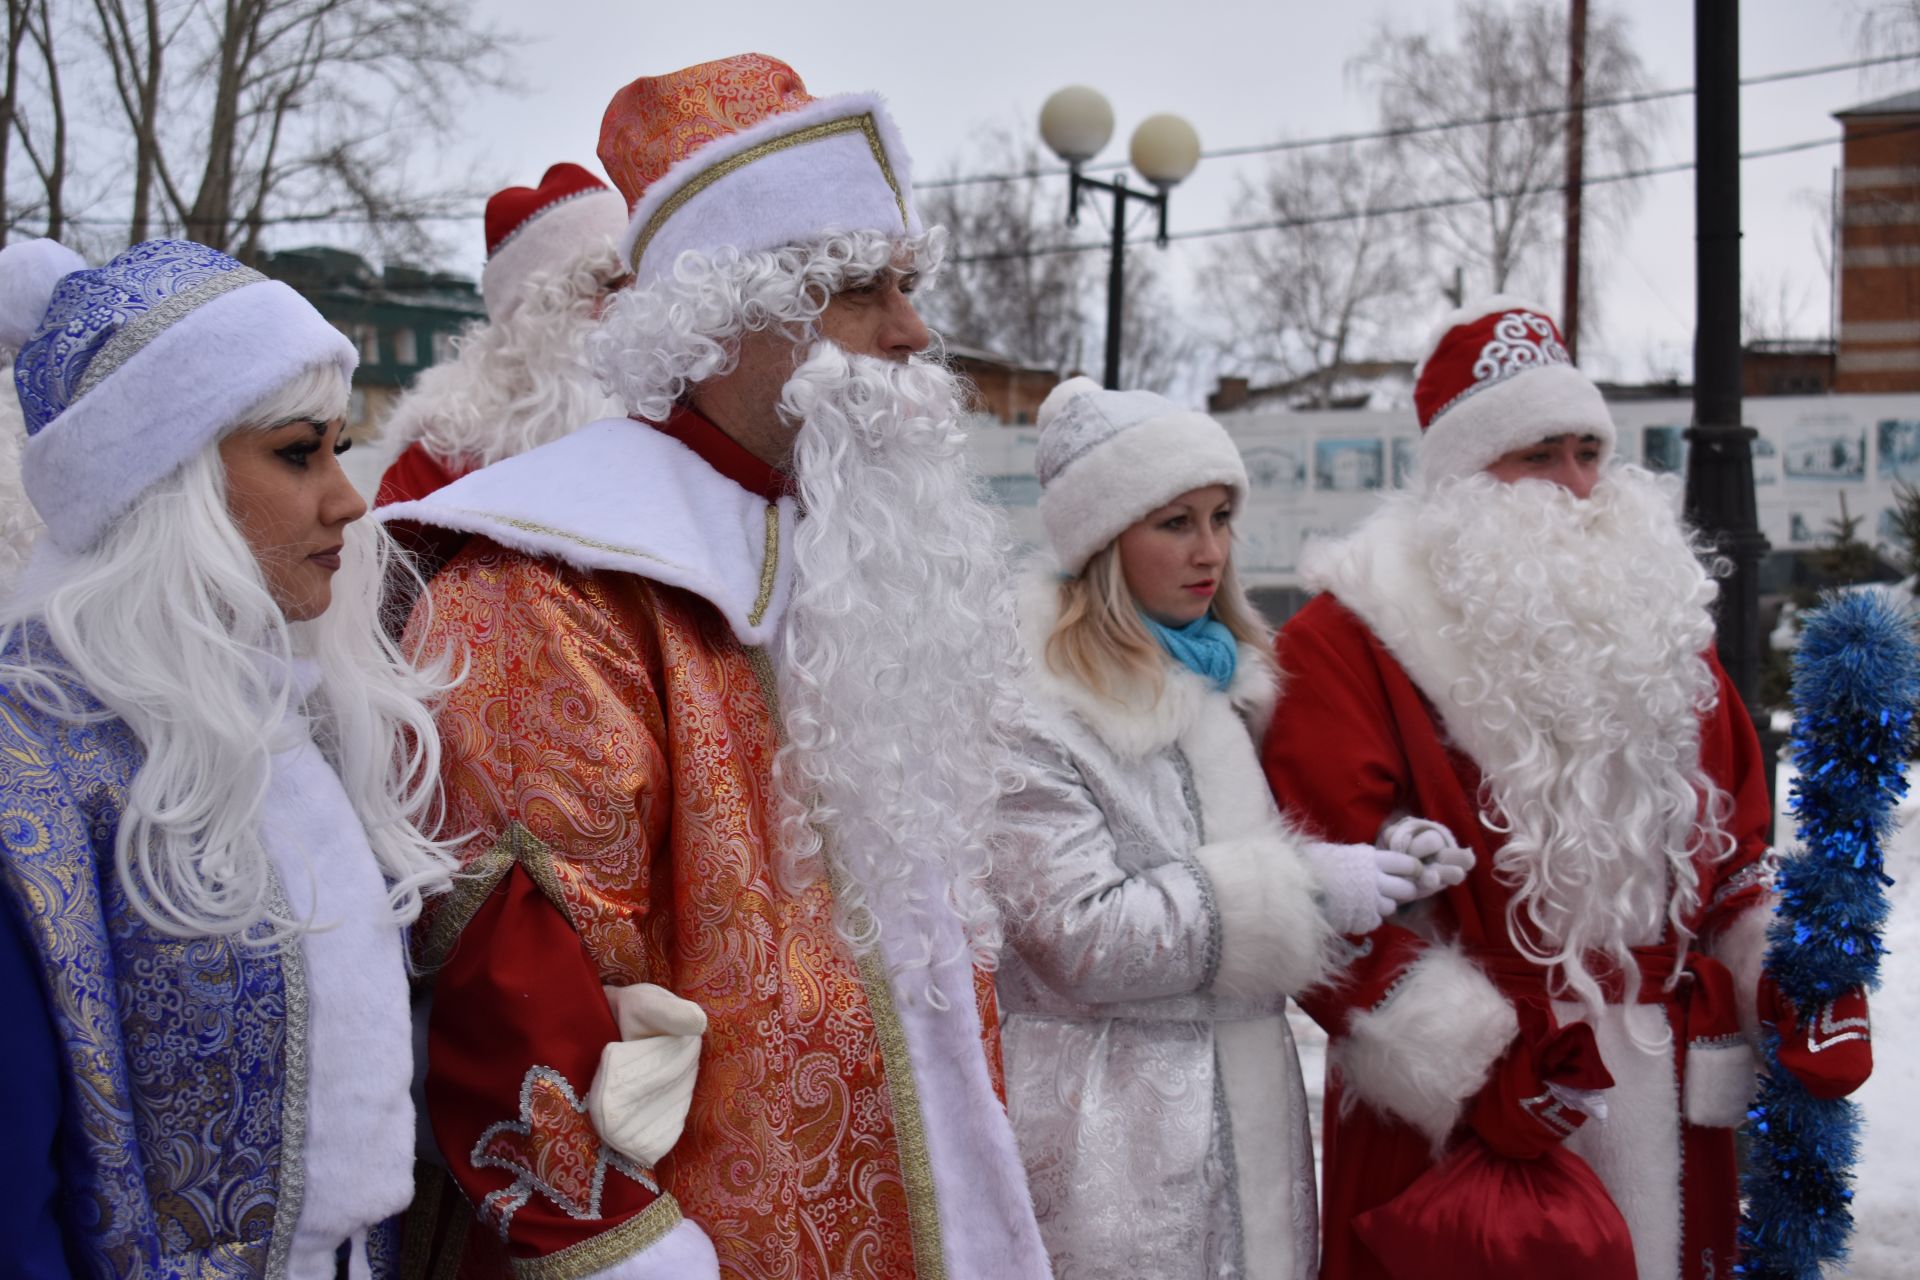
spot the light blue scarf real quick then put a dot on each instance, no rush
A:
(1203, 646)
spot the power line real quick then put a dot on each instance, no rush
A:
(1263, 148)
(1413, 130)
(1428, 206)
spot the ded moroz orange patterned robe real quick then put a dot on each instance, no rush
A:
(608, 766)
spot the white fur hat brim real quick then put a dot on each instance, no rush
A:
(835, 164)
(1524, 409)
(551, 242)
(187, 387)
(1142, 467)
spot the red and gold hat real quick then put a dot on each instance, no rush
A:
(737, 154)
(544, 228)
(1498, 378)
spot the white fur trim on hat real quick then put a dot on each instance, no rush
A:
(1552, 400)
(551, 241)
(1110, 457)
(833, 164)
(172, 398)
(29, 273)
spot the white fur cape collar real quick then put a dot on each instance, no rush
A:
(1142, 723)
(619, 496)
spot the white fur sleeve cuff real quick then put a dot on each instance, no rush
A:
(1273, 938)
(684, 1253)
(1421, 1053)
(644, 1087)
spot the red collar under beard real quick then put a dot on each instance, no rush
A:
(1580, 645)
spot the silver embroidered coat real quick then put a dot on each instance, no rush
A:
(1158, 915)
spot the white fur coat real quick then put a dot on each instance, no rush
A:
(1159, 913)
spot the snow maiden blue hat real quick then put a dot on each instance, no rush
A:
(127, 370)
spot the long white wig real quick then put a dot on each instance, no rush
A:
(1585, 626)
(169, 624)
(520, 381)
(654, 344)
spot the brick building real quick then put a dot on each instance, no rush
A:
(1879, 249)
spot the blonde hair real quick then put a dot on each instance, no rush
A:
(1100, 640)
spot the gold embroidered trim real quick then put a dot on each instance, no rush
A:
(477, 881)
(293, 1099)
(864, 122)
(769, 566)
(909, 1127)
(529, 526)
(598, 1253)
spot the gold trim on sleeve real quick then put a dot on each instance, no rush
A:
(699, 182)
(598, 1253)
(474, 883)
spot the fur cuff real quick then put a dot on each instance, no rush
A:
(1273, 939)
(1721, 1079)
(1421, 1053)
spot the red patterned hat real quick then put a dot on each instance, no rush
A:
(1498, 378)
(736, 154)
(544, 228)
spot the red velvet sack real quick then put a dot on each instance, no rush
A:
(1478, 1215)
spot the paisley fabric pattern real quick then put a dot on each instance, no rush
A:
(620, 723)
(658, 121)
(172, 1134)
(100, 317)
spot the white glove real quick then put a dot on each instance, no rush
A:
(1442, 861)
(644, 1087)
(1362, 885)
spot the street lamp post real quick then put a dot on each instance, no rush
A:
(1076, 123)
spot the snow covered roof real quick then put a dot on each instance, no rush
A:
(1900, 104)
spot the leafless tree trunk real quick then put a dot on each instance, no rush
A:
(244, 114)
(1007, 291)
(1329, 279)
(48, 157)
(16, 32)
(1507, 65)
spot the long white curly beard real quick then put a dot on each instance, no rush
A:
(1583, 627)
(896, 663)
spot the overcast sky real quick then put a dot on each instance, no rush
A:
(1243, 72)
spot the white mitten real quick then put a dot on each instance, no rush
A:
(644, 1087)
(1443, 863)
(1362, 885)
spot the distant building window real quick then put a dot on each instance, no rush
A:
(367, 338)
(442, 345)
(1020, 418)
(356, 407)
(406, 347)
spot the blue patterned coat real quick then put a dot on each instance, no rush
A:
(183, 1061)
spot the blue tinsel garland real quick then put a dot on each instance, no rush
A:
(1856, 680)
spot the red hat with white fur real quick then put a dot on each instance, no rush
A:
(1497, 377)
(545, 228)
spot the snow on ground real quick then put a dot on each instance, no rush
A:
(1886, 1244)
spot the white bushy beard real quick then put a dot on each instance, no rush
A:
(516, 384)
(1583, 629)
(896, 662)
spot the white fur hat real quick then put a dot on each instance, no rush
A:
(735, 154)
(1497, 378)
(545, 229)
(127, 370)
(1107, 458)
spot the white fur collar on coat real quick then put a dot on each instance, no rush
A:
(621, 496)
(1143, 722)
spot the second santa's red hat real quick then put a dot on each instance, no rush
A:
(1497, 377)
(545, 229)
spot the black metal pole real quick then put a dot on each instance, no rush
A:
(1116, 283)
(1720, 462)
